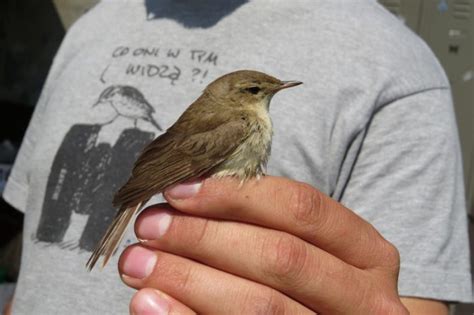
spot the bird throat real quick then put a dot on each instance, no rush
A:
(250, 158)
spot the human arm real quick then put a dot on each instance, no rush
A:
(418, 306)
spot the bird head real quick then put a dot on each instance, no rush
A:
(108, 94)
(246, 88)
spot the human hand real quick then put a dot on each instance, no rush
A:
(270, 246)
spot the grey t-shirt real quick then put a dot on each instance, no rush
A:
(372, 126)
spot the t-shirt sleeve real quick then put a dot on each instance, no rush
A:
(16, 189)
(408, 182)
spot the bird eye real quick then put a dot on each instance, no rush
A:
(253, 89)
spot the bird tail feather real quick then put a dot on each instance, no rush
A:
(112, 237)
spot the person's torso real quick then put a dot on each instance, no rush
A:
(129, 69)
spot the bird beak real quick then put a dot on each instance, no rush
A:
(287, 84)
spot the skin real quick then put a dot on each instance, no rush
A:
(7, 310)
(270, 246)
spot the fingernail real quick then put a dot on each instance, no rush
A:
(154, 226)
(150, 302)
(184, 191)
(139, 262)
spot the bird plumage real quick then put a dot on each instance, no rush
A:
(225, 132)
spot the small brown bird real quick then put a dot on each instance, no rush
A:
(227, 131)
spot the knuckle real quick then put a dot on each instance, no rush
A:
(284, 258)
(381, 254)
(378, 297)
(201, 230)
(386, 304)
(390, 255)
(179, 275)
(268, 302)
(305, 204)
(183, 278)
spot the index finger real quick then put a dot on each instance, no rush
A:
(289, 206)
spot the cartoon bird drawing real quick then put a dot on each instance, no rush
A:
(128, 102)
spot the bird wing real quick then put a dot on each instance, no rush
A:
(176, 157)
(171, 158)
